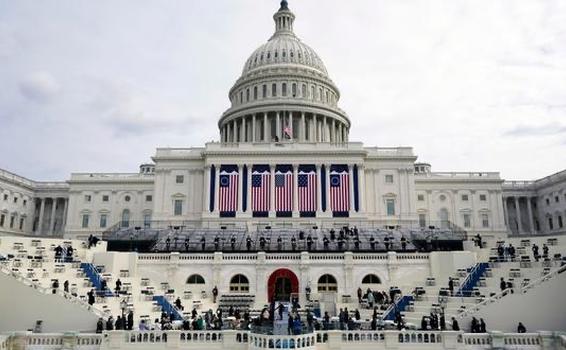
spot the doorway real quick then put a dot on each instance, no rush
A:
(281, 285)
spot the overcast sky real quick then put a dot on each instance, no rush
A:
(96, 86)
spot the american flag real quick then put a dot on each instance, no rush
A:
(228, 201)
(283, 191)
(260, 191)
(307, 191)
(288, 131)
(339, 191)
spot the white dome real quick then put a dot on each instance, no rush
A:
(284, 49)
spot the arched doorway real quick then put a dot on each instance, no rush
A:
(281, 284)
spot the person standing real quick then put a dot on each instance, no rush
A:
(451, 286)
(455, 325)
(521, 328)
(214, 294)
(482, 326)
(130, 320)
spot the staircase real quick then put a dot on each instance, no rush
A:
(92, 273)
(167, 307)
(400, 306)
(467, 287)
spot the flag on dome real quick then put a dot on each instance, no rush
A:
(339, 190)
(283, 190)
(228, 190)
(288, 131)
(261, 187)
(306, 183)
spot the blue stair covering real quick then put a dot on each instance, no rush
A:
(467, 287)
(167, 307)
(400, 306)
(92, 273)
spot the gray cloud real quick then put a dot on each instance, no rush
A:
(537, 130)
(39, 87)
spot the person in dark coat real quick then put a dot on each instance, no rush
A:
(130, 320)
(502, 284)
(100, 325)
(214, 294)
(55, 286)
(119, 324)
(91, 298)
(521, 328)
(474, 325)
(455, 325)
(482, 326)
(424, 323)
(442, 322)
(290, 324)
(451, 286)
(110, 324)
(66, 286)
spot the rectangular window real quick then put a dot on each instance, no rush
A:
(179, 179)
(484, 220)
(255, 92)
(467, 220)
(103, 220)
(274, 90)
(247, 95)
(390, 207)
(547, 201)
(294, 90)
(178, 207)
(389, 179)
(12, 219)
(15, 200)
(2, 219)
(557, 199)
(550, 224)
(85, 221)
(105, 198)
(21, 224)
(420, 197)
(25, 202)
(560, 223)
(312, 92)
(465, 197)
(5, 197)
(264, 91)
(148, 198)
(147, 220)
(422, 220)
(483, 197)
(284, 89)
(88, 198)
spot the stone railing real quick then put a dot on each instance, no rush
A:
(323, 340)
(522, 290)
(45, 290)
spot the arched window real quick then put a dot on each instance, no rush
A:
(239, 284)
(371, 279)
(327, 283)
(126, 218)
(255, 92)
(284, 89)
(264, 91)
(294, 90)
(274, 90)
(195, 279)
(247, 95)
(304, 92)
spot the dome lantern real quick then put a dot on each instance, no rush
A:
(284, 19)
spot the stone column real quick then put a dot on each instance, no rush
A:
(240, 188)
(362, 188)
(278, 125)
(312, 131)
(41, 211)
(324, 131)
(52, 219)
(266, 136)
(506, 213)
(303, 127)
(272, 191)
(64, 219)
(254, 121)
(518, 215)
(333, 131)
(295, 190)
(243, 129)
(319, 190)
(530, 211)
(206, 192)
(216, 188)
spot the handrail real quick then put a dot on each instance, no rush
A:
(46, 290)
(523, 290)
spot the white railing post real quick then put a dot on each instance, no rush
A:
(548, 340)
(173, 339)
(497, 339)
(450, 339)
(114, 340)
(391, 339)
(334, 340)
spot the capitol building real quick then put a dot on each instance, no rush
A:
(233, 215)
